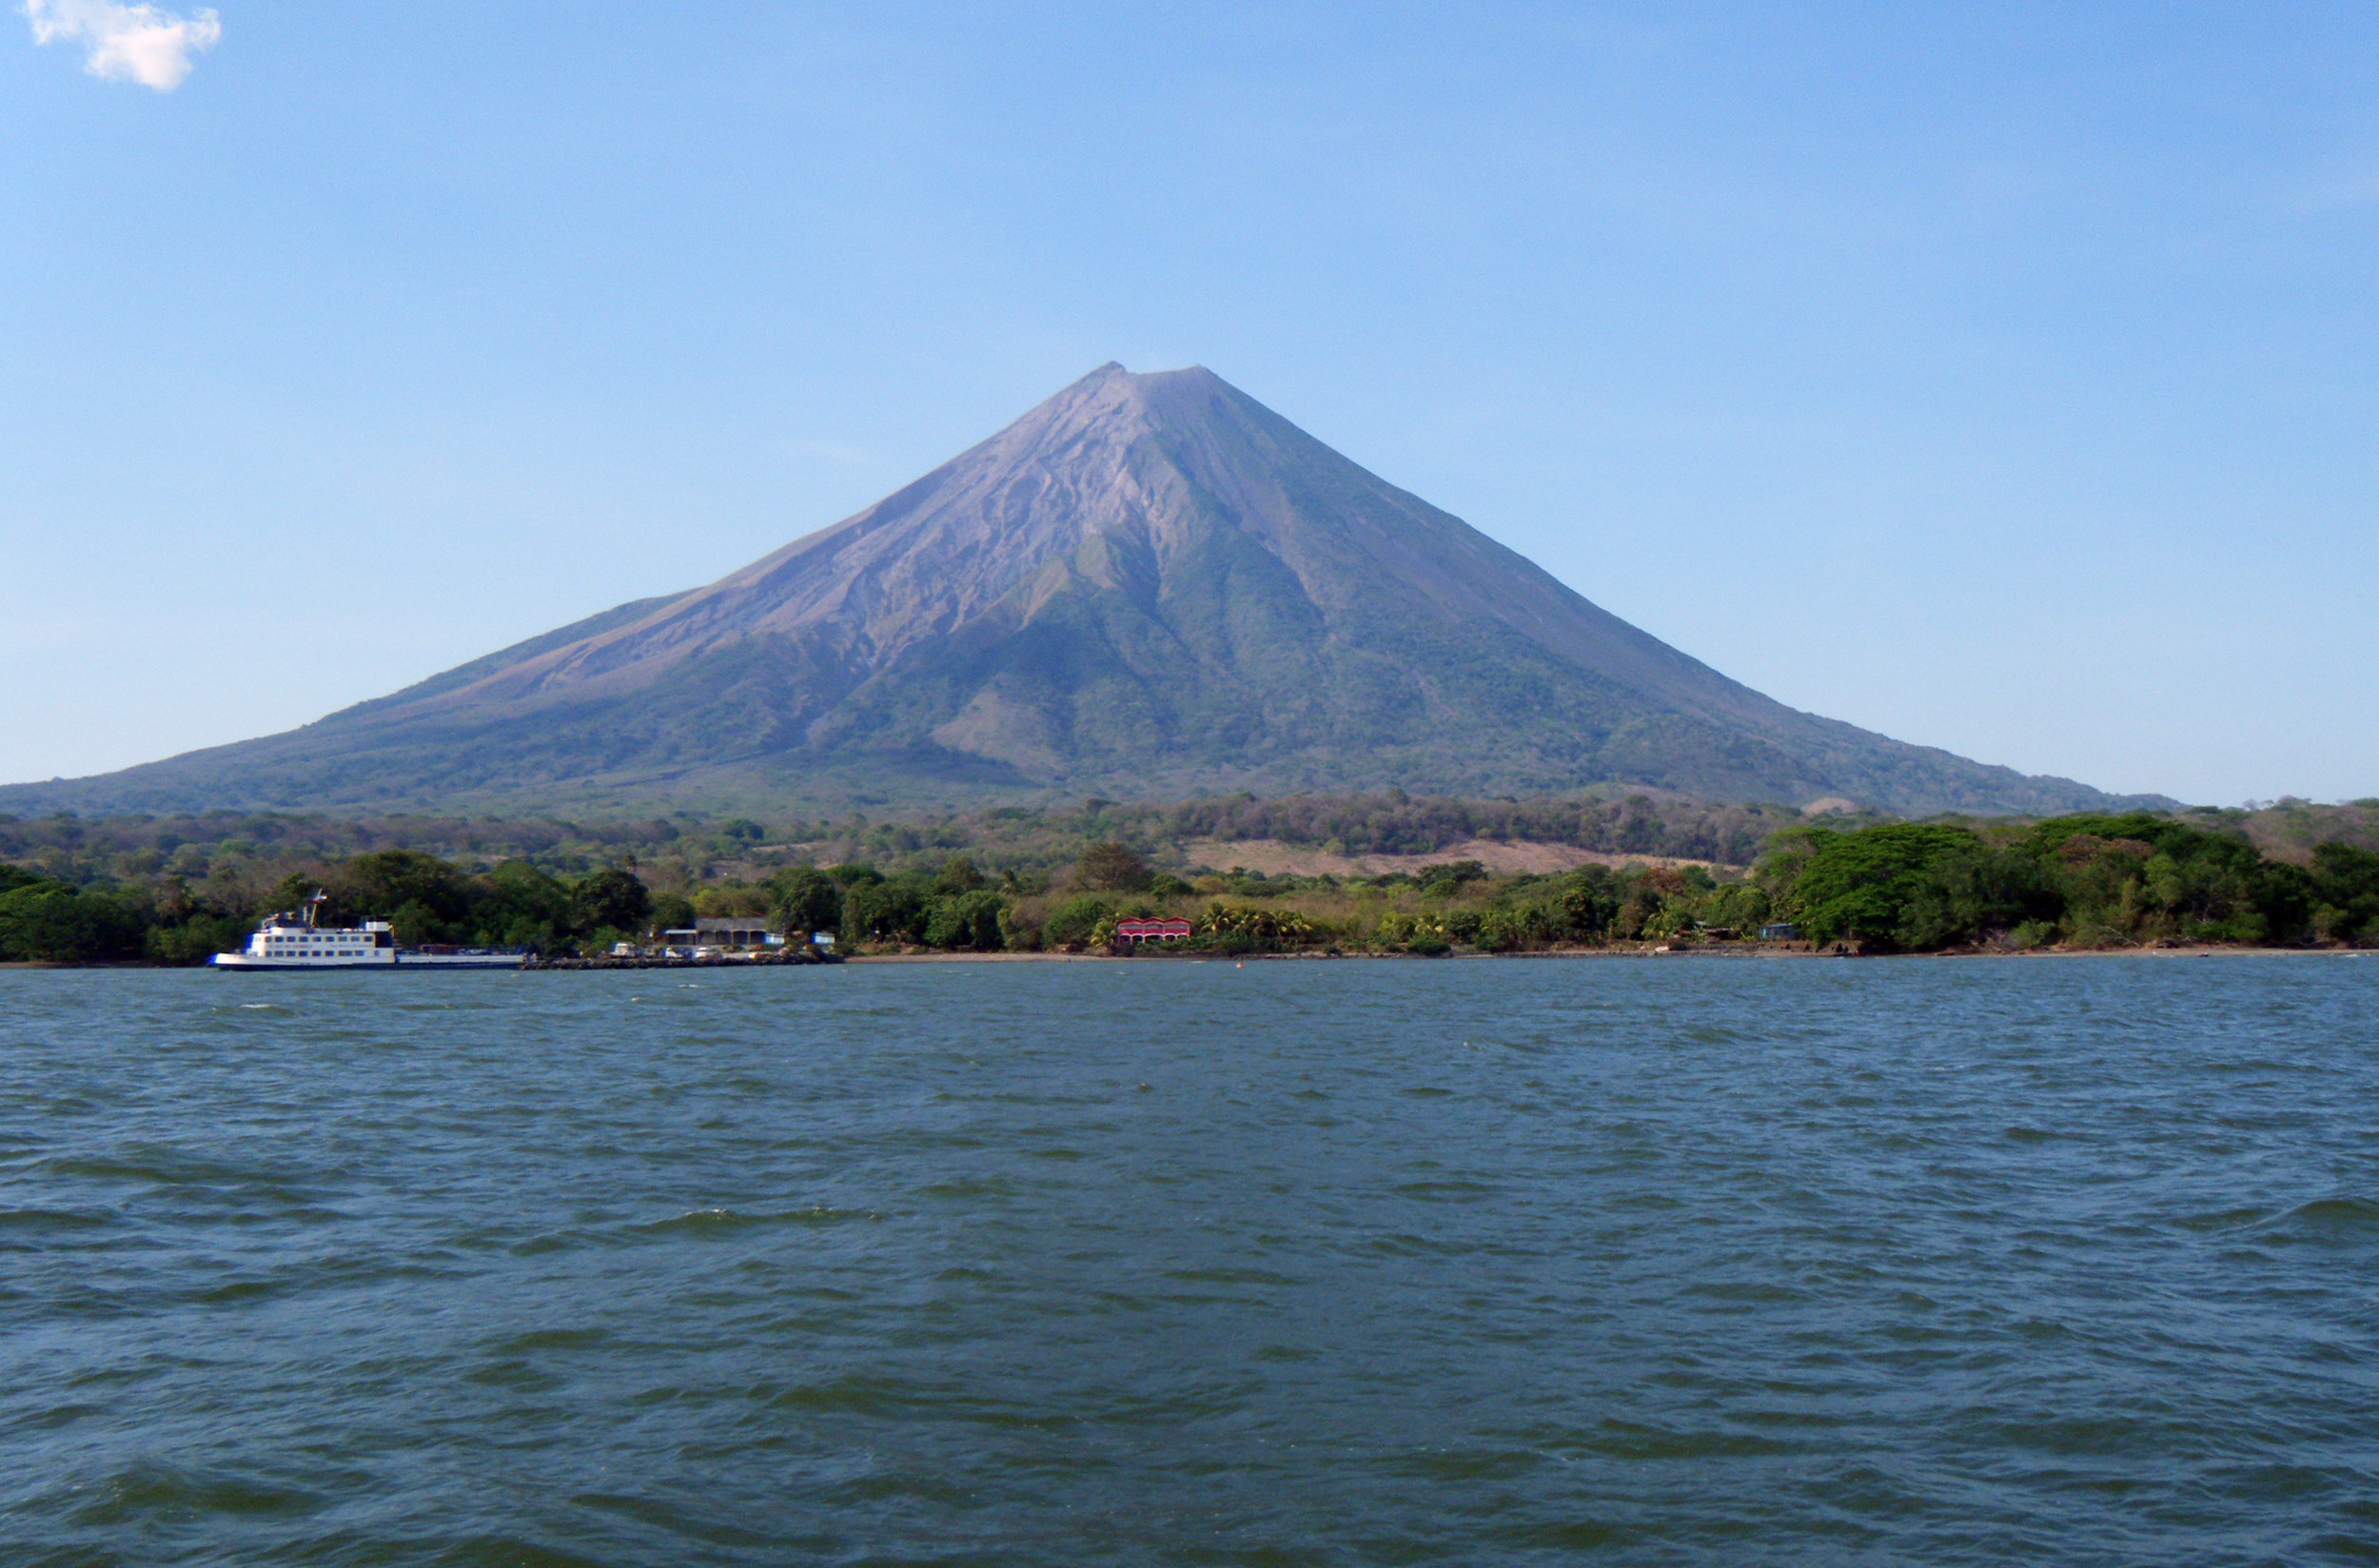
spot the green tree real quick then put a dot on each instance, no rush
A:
(2136, 876)
(1446, 880)
(1868, 884)
(48, 922)
(1587, 905)
(1644, 904)
(1740, 906)
(958, 876)
(807, 901)
(610, 897)
(1968, 891)
(196, 939)
(1071, 923)
(2345, 882)
(967, 920)
(439, 893)
(1110, 865)
(523, 907)
(1500, 930)
(884, 911)
(1018, 932)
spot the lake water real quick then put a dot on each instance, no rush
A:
(1673, 1261)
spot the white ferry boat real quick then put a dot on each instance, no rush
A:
(297, 941)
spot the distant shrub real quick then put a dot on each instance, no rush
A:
(2030, 935)
(1444, 881)
(195, 940)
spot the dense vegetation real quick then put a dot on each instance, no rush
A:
(427, 898)
(2090, 881)
(158, 891)
(2087, 881)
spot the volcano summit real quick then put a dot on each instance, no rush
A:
(1149, 586)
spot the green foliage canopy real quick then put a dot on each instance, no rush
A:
(1112, 868)
(613, 898)
(807, 901)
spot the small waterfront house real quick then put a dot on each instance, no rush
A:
(1782, 931)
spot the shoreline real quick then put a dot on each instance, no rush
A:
(2202, 950)
(1734, 953)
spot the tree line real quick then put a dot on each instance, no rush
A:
(427, 899)
(2085, 880)
(2089, 881)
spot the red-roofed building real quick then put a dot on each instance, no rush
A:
(1150, 931)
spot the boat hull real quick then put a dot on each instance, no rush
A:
(420, 963)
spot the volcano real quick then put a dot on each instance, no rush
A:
(1149, 586)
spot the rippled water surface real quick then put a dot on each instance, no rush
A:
(1491, 1262)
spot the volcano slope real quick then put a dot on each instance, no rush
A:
(1149, 586)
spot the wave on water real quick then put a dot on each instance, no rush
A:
(712, 1221)
(552, 1339)
(54, 1218)
(148, 1493)
(157, 1163)
(2341, 1220)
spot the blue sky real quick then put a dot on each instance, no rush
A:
(1999, 378)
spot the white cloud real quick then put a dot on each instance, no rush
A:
(127, 43)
